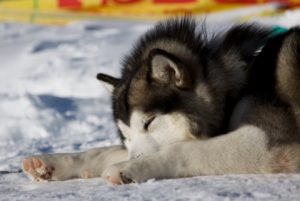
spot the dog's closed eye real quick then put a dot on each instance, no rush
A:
(148, 122)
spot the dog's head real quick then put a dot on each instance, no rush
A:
(174, 87)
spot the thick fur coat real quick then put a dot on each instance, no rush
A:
(188, 105)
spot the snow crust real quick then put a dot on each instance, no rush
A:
(208, 188)
(50, 101)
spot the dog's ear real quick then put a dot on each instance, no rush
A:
(109, 82)
(168, 69)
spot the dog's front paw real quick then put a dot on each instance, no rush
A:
(123, 173)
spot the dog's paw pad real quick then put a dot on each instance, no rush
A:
(37, 169)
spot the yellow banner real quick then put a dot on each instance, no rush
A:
(62, 11)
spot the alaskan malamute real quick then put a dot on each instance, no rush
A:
(187, 105)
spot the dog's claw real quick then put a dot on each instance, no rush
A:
(115, 176)
(119, 179)
(125, 179)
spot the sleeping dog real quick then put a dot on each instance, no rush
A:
(187, 106)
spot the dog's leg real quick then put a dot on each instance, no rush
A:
(243, 151)
(58, 167)
(288, 71)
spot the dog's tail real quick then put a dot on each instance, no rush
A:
(288, 70)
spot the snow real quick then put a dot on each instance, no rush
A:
(50, 101)
(220, 188)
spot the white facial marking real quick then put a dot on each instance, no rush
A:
(165, 129)
(124, 128)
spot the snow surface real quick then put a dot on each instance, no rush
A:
(50, 101)
(219, 188)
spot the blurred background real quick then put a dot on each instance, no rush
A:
(63, 11)
(51, 51)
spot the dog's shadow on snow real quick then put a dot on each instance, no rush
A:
(59, 104)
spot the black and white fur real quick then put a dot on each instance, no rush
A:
(187, 105)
